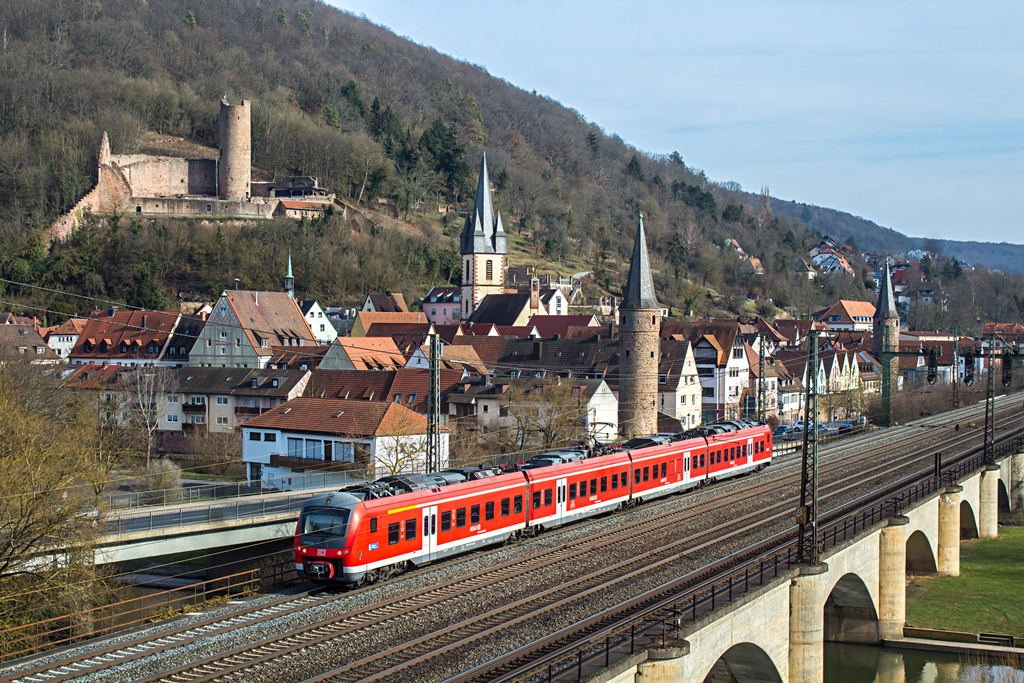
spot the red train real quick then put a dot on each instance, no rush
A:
(369, 532)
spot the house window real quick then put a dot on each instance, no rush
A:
(172, 398)
(222, 420)
(198, 419)
(172, 418)
(209, 207)
(222, 400)
(270, 436)
(662, 378)
(412, 398)
(254, 436)
(490, 269)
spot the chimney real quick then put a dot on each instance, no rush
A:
(611, 331)
(111, 311)
(143, 321)
(534, 294)
(537, 348)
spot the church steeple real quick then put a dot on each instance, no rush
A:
(289, 279)
(483, 232)
(639, 291)
(886, 309)
(482, 245)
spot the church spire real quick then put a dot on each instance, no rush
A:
(639, 291)
(886, 309)
(289, 279)
(483, 232)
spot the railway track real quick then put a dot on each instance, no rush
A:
(360, 621)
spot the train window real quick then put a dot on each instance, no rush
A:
(615, 481)
(636, 475)
(446, 521)
(474, 514)
(536, 499)
(517, 506)
(664, 469)
(426, 527)
(622, 478)
(732, 453)
(583, 489)
(572, 491)
(593, 486)
(410, 529)
(460, 518)
(393, 533)
(489, 510)
(604, 484)
(547, 496)
(646, 472)
(504, 507)
(373, 524)
(702, 460)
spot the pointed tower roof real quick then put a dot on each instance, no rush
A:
(639, 291)
(483, 232)
(289, 273)
(289, 279)
(886, 308)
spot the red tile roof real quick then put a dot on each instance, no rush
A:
(342, 418)
(133, 328)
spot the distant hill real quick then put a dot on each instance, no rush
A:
(870, 236)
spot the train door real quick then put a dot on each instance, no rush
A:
(686, 467)
(750, 451)
(561, 496)
(429, 532)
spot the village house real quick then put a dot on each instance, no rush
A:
(319, 323)
(849, 315)
(24, 341)
(62, 338)
(363, 353)
(721, 360)
(244, 328)
(333, 437)
(443, 305)
(128, 337)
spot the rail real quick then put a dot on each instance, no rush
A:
(26, 639)
(661, 613)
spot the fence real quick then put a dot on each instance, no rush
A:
(28, 638)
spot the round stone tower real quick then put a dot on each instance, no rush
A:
(234, 167)
(639, 346)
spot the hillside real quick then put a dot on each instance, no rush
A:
(374, 117)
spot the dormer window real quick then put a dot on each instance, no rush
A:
(124, 347)
(273, 382)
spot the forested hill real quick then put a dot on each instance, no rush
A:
(378, 119)
(873, 237)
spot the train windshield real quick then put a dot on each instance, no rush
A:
(325, 522)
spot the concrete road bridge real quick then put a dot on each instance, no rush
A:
(857, 593)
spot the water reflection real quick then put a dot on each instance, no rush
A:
(851, 663)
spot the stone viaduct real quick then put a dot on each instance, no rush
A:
(856, 594)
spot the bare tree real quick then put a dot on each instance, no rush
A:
(404, 447)
(540, 414)
(764, 213)
(148, 388)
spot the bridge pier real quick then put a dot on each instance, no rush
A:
(1017, 482)
(949, 532)
(807, 625)
(665, 664)
(892, 579)
(988, 515)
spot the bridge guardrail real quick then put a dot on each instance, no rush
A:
(240, 509)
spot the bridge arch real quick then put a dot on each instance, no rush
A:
(1004, 497)
(743, 663)
(968, 522)
(850, 614)
(920, 555)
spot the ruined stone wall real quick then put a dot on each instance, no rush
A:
(201, 207)
(169, 176)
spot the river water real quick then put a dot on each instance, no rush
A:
(850, 663)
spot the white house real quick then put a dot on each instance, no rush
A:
(319, 323)
(335, 436)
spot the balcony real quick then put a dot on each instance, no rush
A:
(248, 410)
(194, 407)
(297, 464)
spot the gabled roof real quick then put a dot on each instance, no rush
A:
(723, 332)
(371, 353)
(341, 418)
(459, 356)
(638, 293)
(487, 347)
(443, 295)
(548, 326)
(296, 356)
(364, 319)
(136, 329)
(388, 385)
(388, 302)
(14, 337)
(501, 309)
(72, 326)
(273, 317)
(848, 311)
(185, 335)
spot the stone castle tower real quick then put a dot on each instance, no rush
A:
(234, 166)
(483, 248)
(639, 345)
(886, 324)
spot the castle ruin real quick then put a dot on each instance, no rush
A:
(166, 186)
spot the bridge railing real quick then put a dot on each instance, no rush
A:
(246, 508)
(214, 491)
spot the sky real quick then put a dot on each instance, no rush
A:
(909, 114)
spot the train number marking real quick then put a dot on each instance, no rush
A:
(320, 552)
(373, 546)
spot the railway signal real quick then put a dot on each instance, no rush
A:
(933, 366)
(1007, 369)
(968, 368)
